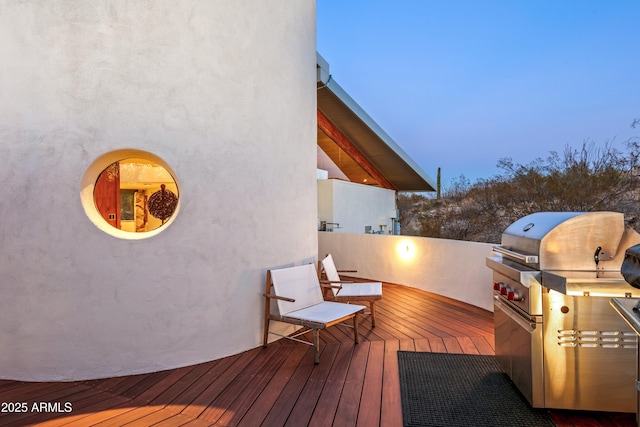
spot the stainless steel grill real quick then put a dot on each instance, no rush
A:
(556, 334)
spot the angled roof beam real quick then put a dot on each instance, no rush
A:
(336, 136)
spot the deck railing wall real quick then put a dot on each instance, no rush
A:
(451, 268)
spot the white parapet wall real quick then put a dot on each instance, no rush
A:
(451, 268)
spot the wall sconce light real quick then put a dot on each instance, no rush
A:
(406, 250)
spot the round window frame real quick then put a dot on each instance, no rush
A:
(88, 184)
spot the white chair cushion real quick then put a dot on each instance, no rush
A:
(360, 289)
(349, 289)
(325, 312)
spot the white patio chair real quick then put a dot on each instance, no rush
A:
(347, 291)
(299, 299)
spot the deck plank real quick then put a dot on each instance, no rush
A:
(327, 403)
(72, 394)
(170, 396)
(231, 405)
(452, 345)
(98, 403)
(391, 411)
(349, 402)
(467, 345)
(305, 404)
(177, 420)
(197, 387)
(484, 346)
(280, 379)
(437, 345)
(371, 397)
(203, 401)
(128, 415)
(288, 397)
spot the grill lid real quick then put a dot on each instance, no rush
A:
(569, 240)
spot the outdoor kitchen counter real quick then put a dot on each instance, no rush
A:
(553, 264)
(624, 307)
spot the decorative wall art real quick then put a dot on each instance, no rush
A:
(162, 204)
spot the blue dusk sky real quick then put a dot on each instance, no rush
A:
(461, 84)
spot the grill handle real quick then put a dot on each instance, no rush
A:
(527, 259)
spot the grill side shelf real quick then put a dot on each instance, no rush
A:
(525, 258)
(519, 273)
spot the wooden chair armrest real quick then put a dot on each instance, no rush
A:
(329, 285)
(336, 281)
(279, 297)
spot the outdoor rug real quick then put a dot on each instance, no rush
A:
(446, 390)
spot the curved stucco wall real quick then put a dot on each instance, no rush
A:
(451, 268)
(224, 93)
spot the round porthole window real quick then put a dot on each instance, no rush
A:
(130, 194)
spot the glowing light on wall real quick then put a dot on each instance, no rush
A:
(406, 250)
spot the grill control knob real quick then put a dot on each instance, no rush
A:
(496, 286)
(514, 296)
(504, 289)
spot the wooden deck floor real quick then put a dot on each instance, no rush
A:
(354, 385)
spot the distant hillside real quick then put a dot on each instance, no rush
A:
(583, 180)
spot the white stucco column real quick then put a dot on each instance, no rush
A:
(224, 93)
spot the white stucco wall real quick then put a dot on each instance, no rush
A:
(354, 206)
(217, 89)
(451, 268)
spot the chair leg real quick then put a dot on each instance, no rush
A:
(267, 309)
(316, 346)
(372, 308)
(265, 337)
(267, 316)
(356, 336)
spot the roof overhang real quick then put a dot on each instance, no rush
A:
(379, 149)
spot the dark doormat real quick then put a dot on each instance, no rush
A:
(446, 390)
